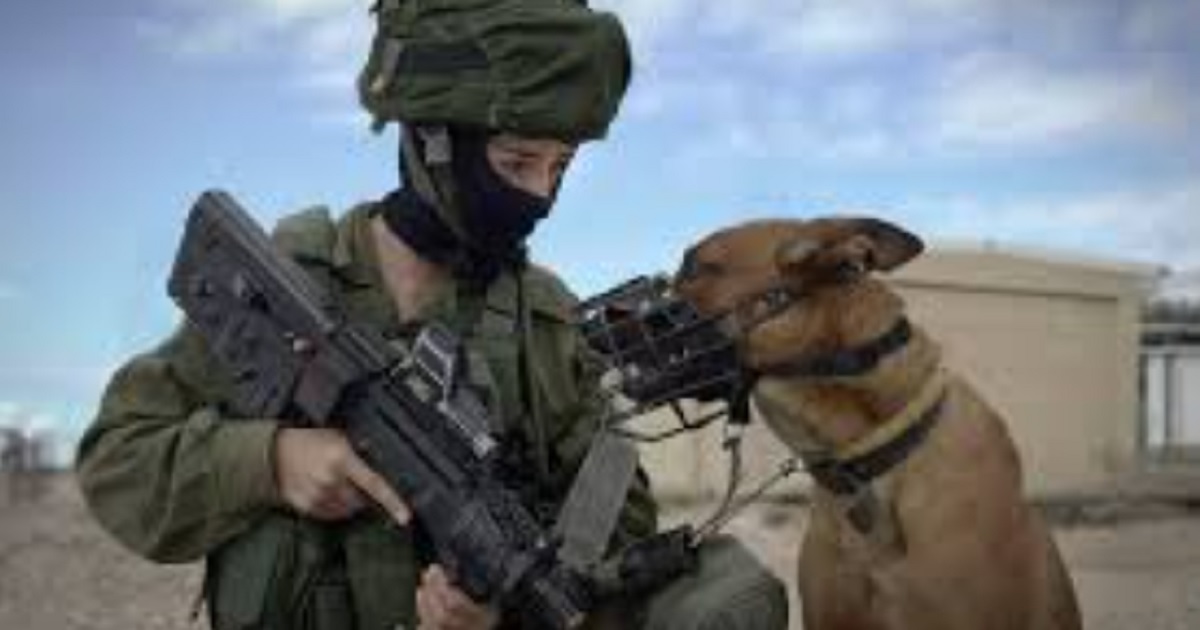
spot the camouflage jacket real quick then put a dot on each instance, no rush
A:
(172, 478)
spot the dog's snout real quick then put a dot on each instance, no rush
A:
(687, 268)
(694, 267)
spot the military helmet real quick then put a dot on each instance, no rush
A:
(540, 68)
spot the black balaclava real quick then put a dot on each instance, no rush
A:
(496, 216)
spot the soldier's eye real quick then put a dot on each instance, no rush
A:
(511, 166)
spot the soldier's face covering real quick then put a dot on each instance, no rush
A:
(507, 184)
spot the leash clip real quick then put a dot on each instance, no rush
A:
(733, 433)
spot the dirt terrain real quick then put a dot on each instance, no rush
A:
(1135, 568)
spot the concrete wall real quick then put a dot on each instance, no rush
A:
(1051, 343)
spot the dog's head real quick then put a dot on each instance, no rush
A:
(824, 265)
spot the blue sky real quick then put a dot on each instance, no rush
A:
(1064, 124)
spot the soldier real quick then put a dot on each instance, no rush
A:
(493, 98)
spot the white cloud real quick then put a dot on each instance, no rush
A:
(1159, 226)
(321, 32)
(649, 23)
(861, 27)
(337, 39)
(845, 28)
(846, 123)
(844, 80)
(325, 41)
(1152, 24)
(817, 27)
(295, 9)
(1007, 100)
(854, 80)
(854, 28)
(983, 104)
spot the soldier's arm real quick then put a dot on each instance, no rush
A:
(161, 469)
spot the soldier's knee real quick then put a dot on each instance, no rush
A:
(760, 604)
(730, 591)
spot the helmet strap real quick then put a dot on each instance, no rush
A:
(430, 171)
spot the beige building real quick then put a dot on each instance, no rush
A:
(1051, 342)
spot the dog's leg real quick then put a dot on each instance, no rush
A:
(1062, 606)
(835, 587)
(940, 585)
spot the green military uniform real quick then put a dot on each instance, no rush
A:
(170, 474)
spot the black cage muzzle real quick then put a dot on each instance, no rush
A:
(664, 350)
(661, 348)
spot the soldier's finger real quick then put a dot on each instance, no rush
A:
(326, 509)
(424, 615)
(429, 609)
(375, 487)
(350, 498)
(454, 599)
(433, 583)
(459, 609)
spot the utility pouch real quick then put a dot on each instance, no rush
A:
(282, 574)
(240, 575)
(328, 604)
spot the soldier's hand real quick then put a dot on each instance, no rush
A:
(319, 475)
(442, 606)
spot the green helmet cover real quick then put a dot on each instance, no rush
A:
(539, 68)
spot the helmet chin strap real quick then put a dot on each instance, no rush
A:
(429, 168)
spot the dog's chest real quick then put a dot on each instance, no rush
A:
(781, 408)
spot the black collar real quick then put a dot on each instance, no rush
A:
(849, 362)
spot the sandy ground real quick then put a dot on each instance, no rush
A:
(58, 571)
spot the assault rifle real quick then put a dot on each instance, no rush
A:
(292, 353)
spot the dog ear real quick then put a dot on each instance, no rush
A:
(887, 245)
(845, 249)
(792, 255)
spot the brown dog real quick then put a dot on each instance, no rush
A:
(919, 521)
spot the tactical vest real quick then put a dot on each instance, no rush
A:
(289, 572)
